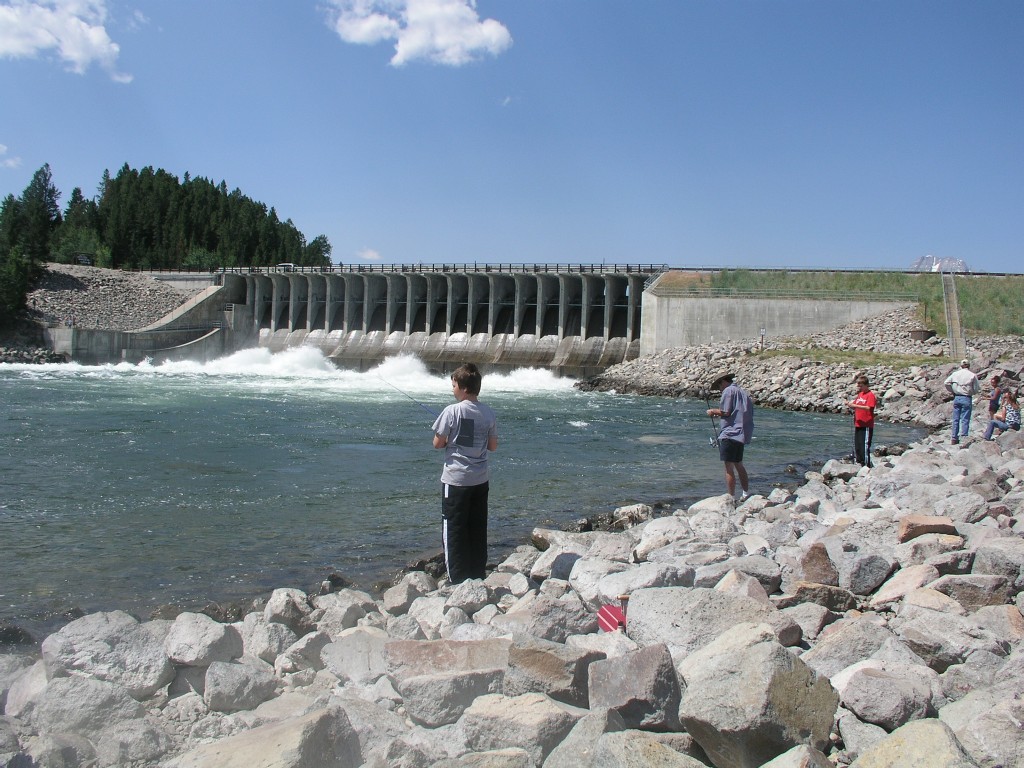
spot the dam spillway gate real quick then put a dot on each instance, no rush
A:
(570, 318)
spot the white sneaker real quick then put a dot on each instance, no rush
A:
(743, 497)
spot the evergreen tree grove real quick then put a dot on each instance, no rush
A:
(142, 219)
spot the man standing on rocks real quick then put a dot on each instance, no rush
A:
(737, 413)
(963, 383)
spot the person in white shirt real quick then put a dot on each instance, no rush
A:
(964, 385)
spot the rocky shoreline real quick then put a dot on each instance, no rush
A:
(872, 617)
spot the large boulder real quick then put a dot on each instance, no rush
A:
(688, 619)
(555, 669)
(357, 654)
(83, 706)
(642, 687)
(532, 721)
(925, 743)
(114, 647)
(322, 739)
(441, 698)
(233, 687)
(196, 640)
(746, 699)
(549, 618)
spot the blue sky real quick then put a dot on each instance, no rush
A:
(757, 133)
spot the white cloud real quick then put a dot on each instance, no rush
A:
(8, 162)
(441, 31)
(368, 254)
(74, 29)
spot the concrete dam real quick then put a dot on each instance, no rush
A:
(574, 319)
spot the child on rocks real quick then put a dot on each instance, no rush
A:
(467, 431)
(863, 406)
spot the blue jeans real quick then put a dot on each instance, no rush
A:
(962, 405)
(1002, 426)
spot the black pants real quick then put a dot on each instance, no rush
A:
(862, 444)
(464, 530)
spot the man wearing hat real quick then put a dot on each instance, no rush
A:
(737, 414)
(964, 385)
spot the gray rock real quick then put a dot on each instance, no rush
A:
(978, 670)
(549, 619)
(846, 642)
(799, 757)
(83, 706)
(532, 721)
(61, 750)
(408, 658)
(642, 576)
(557, 561)
(398, 598)
(469, 596)
(994, 737)
(811, 617)
(974, 591)
(132, 742)
(886, 699)
(26, 689)
(637, 749)
(196, 640)
(746, 699)
(1002, 557)
(339, 611)
(11, 668)
(322, 739)
(232, 687)
(357, 654)
(557, 670)
(442, 698)
(577, 750)
(113, 647)
(688, 619)
(925, 743)
(264, 639)
(429, 612)
(290, 607)
(304, 653)
(942, 639)
(588, 572)
(761, 568)
(642, 687)
(857, 735)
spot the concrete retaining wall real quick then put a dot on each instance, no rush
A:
(680, 321)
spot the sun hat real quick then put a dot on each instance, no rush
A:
(722, 375)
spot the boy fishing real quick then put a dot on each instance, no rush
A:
(467, 430)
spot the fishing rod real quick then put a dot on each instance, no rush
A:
(713, 440)
(402, 392)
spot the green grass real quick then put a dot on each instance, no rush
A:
(989, 304)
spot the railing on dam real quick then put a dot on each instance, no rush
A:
(561, 300)
(645, 269)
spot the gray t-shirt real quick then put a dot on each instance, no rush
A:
(737, 415)
(468, 426)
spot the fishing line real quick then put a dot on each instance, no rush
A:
(402, 392)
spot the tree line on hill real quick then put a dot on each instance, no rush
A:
(141, 219)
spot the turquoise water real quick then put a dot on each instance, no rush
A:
(134, 486)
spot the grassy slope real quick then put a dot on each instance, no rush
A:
(989, 304)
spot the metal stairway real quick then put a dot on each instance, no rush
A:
(954, 330)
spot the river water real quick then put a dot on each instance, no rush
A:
(134, 486)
